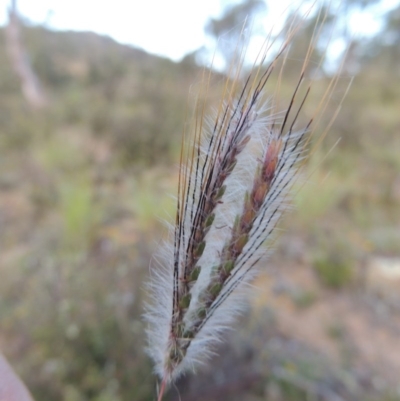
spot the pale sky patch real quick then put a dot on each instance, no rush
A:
(170, 28)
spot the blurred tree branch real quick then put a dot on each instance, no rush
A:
(30, 84)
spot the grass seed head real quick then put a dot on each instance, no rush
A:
(235, 182)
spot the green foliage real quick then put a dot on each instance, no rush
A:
(78, 212)
(304, 299)
(334, 270)
(146, 198)
(134, 100)
(83, 336)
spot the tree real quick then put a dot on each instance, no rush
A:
(228, 28)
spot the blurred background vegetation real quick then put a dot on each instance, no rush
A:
(85, 179)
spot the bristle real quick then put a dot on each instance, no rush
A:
(235, 182)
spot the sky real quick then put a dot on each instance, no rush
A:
(154, 25)
(170, 28)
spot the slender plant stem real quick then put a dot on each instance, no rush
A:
(162, 389)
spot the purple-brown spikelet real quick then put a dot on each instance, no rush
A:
(235, 182)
